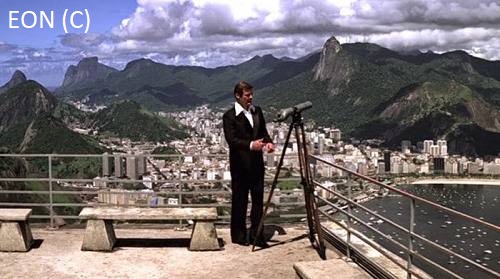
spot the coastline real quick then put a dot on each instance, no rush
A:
(465, 181)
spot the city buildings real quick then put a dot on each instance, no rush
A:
(203, 162)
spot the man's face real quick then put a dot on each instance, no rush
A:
(245, 100)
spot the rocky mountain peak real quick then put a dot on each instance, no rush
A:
(17, 78)
(88, 70)
(332, 45)
(88, 62)
(139, 64)
(333, 66)
(326, 65)
(24, 102)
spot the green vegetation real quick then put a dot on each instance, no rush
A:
(80, 168)
(289, 185)
(128, 119)
(165, 150)
(50, 135)
(69, 114)
(13, 136)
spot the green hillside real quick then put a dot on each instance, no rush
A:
(127, 119)
(364, 89)
(32, 120)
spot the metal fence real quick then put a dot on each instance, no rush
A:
(51, 189)
(331, 209)
(352, 223)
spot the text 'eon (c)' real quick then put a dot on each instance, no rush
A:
(47, 19)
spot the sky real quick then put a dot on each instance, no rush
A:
(214, 33)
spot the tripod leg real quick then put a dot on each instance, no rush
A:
(273, 186)
(312, 207)
(304, 182)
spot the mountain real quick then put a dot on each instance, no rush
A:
(47, 134)
(32, 120)
(128, 119)
(366, 90)
(372, 92)
(158, 86)
(88, 70)
(17, 78)
(23, 103)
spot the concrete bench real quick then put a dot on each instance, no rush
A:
(335, 268)
(15, 231)
(100, 235)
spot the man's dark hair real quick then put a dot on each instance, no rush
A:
(242, 86)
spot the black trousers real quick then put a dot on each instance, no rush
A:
(239, 207)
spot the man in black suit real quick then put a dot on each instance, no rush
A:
(246, 134)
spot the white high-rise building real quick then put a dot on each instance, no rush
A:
(405, 146)
(118, 165)
(106, 165)
(321, 144)
(451, 166)
(335, 134)
(443, 149)
(491, 168)
(132, 167)
(427, 146)
(141, 164)
(434, 150)
(381, 168)
(441, 142)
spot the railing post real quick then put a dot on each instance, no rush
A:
(349, 196)
(312, 161)
(410, 238)
(51, 199)
(180, 185)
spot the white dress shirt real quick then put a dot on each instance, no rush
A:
(239, 109)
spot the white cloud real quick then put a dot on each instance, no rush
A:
(220, 32)
(287, 27)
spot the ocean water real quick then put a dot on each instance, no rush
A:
(475, 241)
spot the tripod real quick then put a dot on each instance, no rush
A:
(297, 125)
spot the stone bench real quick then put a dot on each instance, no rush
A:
(335, 268)
(15, 231)
(100, 235)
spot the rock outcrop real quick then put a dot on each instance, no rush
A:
(17, 78)
(88, 70)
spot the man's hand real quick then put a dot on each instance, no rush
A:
(269, 147)
(257, 145)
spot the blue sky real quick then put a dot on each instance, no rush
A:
(213, 33)
(105, 14)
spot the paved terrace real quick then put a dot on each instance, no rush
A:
(163, 254)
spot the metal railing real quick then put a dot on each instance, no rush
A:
(47, 195)
(50, 202)
(355, 220)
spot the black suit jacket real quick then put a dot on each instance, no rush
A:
(247, 166)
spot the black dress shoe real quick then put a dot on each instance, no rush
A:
(243, 243)
(240, 241)
(261, 244)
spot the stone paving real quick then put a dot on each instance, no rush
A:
(156, 253)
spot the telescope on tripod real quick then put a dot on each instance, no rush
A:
(285, 113)
(297, 125)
